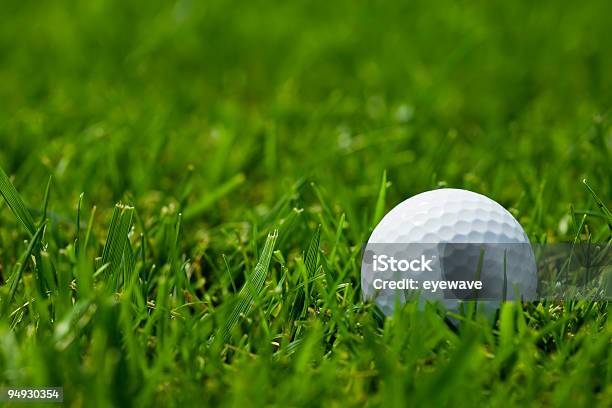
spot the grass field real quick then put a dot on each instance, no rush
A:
(187, 188)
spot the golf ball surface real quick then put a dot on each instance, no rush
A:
(449, 235)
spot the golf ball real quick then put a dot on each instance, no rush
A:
(450, 235)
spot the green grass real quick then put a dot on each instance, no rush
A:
(216, 167)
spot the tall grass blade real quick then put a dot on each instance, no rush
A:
(15, 203)
(46, 202)
(77, 238)
(117, 239)
(25, 258)
(311, 261)
(251, 288)
(380, 201)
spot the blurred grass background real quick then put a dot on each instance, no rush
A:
(115, 97)
(219, 108)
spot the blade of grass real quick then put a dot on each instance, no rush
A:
(212, 197)
(229, 272)
(116, 241)
(15, 203)
(45, 201)
(505, 284)
(89, 227)
(380, 201)
(602, 207)
(251, 288)
(25, 258)
(310, 262)
(77, 238)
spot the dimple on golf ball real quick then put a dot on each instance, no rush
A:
(449, 235)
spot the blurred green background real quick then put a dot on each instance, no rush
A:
(115, 97)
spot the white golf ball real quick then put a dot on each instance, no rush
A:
(433, 225)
